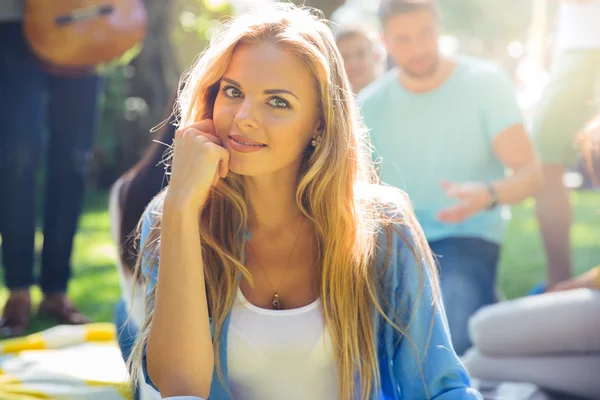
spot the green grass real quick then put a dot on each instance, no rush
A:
(95, 286)
(523, 262)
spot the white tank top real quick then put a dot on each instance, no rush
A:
(579, 25)
(279, 354)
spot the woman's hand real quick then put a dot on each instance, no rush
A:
(180, 353)
(199, 161)
(590, 280)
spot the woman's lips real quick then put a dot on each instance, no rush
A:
(245, 145)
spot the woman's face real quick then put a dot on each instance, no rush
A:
(266, 110)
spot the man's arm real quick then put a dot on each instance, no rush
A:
(515, 150)
(511, 145)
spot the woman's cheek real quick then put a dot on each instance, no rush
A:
(223, 119)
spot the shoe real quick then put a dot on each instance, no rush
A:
(15, 318)
(59, 307)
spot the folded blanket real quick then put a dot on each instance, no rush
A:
(66, 363)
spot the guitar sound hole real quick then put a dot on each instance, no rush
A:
(84, 14)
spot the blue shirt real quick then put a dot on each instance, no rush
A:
(444, 134)
(426, 368)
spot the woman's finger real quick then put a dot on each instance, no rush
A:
(206, 126)
(221, 156)
(206, 136)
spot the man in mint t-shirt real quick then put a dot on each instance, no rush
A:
(446, 131)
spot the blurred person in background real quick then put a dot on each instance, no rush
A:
(552, 339)
(588, 141)
(446, 129)
(569, 100)
(33, 103)
(363, 54)
(128, 199)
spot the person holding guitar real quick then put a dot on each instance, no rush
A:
(48, 85)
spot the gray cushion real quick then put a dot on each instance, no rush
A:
(579, 376)
(494, 390)
(562, 322)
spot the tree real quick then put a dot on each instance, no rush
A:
(138, 95)
(489, 22)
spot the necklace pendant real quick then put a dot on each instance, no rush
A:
(276, 302)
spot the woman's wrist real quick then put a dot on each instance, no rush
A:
(177, 204)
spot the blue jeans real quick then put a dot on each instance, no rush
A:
(41, 112)
(468, 280)
(126, 332)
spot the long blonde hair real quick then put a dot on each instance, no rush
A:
(334, 192)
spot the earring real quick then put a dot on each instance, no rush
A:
(316, 141)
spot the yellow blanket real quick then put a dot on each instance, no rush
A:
(66, 363)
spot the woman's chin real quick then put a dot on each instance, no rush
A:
(238, 169)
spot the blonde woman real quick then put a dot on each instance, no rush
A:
(277, 268)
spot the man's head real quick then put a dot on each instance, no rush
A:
(363, 54)
(411, 32)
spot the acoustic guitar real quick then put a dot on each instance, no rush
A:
(74, 36)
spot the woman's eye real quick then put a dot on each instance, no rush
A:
(278, 102)
(231, 91)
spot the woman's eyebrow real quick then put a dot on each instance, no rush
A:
(232, 82)
(280, 91)
(268, 91)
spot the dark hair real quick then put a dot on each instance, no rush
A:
(351, 31)
(138, 186)
(390, 8)
(361, 31)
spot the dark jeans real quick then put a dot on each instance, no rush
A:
(126, 332)
(39, 112)
(468, 279)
